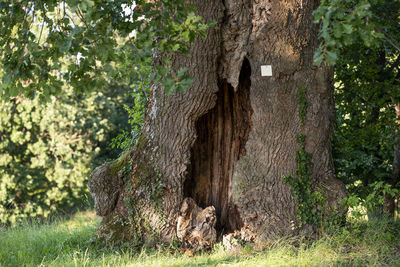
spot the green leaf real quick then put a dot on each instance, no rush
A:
(331, 57)
(182, 71)
(176, 47)
(337, 31)
(185, 36)
(65, 46)
(318, 57)
(348, 29)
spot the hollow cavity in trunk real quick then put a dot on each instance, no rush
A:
(221, 137)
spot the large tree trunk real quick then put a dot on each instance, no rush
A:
(231, 137)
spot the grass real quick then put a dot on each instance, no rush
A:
(69, 242)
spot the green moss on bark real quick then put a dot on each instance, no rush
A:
(114, 229)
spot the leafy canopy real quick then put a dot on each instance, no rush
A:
(88, 43)
(346, 22)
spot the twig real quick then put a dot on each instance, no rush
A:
(387, 38)
(41, 30)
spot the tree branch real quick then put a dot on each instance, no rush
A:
(387, 38)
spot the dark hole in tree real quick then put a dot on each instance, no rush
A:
(221, 137)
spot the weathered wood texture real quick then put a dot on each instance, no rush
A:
(228, 140)
(221, 138)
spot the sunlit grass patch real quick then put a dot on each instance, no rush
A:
(70, 243)
(33, 243)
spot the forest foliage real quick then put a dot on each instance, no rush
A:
(47, 150)
(362, 39)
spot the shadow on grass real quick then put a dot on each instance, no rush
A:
(209, 262)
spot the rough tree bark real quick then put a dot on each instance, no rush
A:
(230, 138)
(389, 205)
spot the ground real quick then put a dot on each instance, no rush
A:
(69, 242)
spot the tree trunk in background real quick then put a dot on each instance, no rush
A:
(389, 204)
(231, 137)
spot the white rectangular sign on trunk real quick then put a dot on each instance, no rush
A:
(266, 70)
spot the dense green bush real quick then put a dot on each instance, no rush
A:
(367, 75)
(366, 128)
(48, 149)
